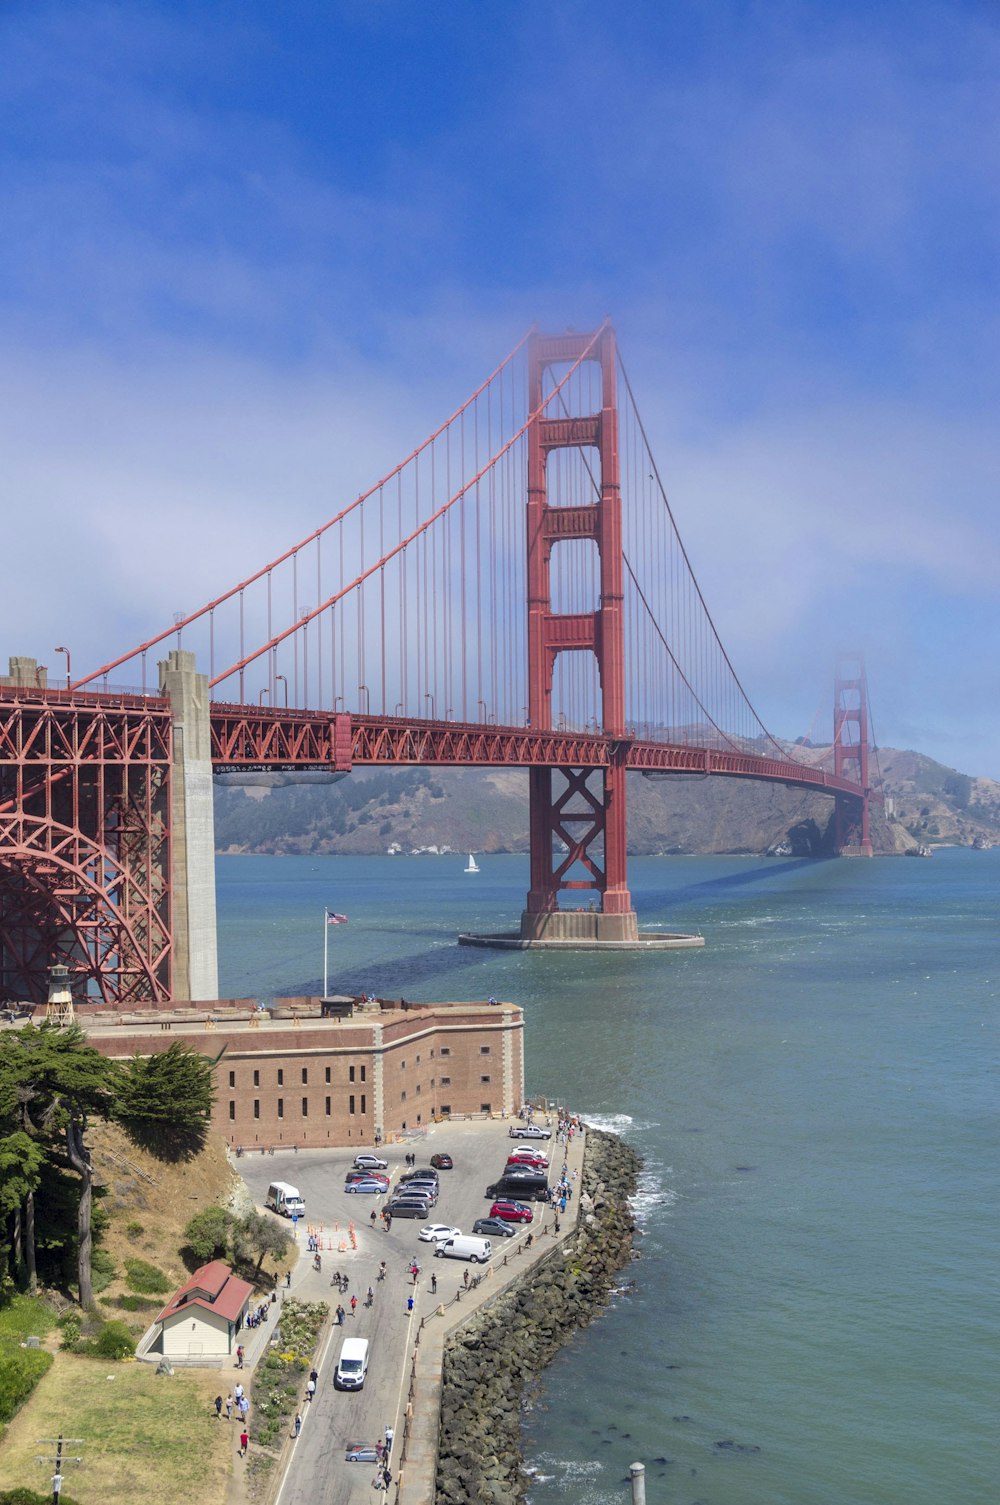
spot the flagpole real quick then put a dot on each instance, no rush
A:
(326, 947)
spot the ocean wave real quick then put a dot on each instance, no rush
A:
(617, 1123)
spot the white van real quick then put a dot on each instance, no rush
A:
(283, 1198)
(352, 1366)
(465, 1246)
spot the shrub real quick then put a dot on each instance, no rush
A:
(102, 1269)
(114, 1341)
(137, 1303)
(207, 1233)
(20, 1371)
(30, 1497)
(134, 1230)
(145, 1278)
(70, 1326)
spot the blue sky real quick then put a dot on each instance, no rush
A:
(252, 253)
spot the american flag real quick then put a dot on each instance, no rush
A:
(335, 919)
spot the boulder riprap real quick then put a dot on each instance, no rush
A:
(492, 1358)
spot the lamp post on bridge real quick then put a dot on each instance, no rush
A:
(430, 697)
(368, 698)
(284, 682)
(260, 697)
(485, 710)
(69, 675)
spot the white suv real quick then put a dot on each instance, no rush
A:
(370, 1163)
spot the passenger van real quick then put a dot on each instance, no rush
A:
(352, 1366)
(465, 1246)
(284, 1198)
(524, 1186)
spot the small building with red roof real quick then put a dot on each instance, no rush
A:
(201, 1322)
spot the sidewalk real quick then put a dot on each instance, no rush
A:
(416, 1458)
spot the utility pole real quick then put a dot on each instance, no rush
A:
(58, 1458)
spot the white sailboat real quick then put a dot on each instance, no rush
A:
(472, 866)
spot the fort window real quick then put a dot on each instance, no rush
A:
(350, 1073)
(232, 1079)
(484, 1050)
(281, 1077)
(256, 1078)
(328, 1102)
(446, 1050)
(281, 1107)
(362, 1073)
(446, 1081)
(328, 1073)
(363, 1106)
(484, 1078)
(485, 1108)
(445, 1108)
(256, 1107)
(305, 1107)
(232, 1110)
(350, 1100)
(305, 1076)
(402, 1095)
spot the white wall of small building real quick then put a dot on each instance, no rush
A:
(196, 1333)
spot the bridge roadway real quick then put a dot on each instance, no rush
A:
(316, 1472)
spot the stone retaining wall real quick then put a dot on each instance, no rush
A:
(492, 1358)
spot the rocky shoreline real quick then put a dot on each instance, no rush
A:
(494, 1357)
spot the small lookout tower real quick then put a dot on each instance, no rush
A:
(59, 1007)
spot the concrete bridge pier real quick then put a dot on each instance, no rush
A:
(195, 970)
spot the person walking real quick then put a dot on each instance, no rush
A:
(244, 1408)
(218, 1407)
(434, 1285)
(354, 1306)
(244, 1443)
(340, 1316)
(229, 1408)
(388, 1442)
(409, 1303)
(298, 1422)
(310, 1390)
(239, 1356)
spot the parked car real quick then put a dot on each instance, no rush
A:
(530, 1161)
(368, 1188)
(442, 1162)
(366, 1161)
(422, 1173)
(367, 1176)
(529, 1131)
(361, 1452)
(409, 1207)
(434, 1231)
(512, 1212)
(494, 1228)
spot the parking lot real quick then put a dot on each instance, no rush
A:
(354, 1246)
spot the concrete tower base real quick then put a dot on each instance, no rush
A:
(583, 930)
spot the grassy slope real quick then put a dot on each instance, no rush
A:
(145, 1437)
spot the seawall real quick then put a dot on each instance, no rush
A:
(490, 1360)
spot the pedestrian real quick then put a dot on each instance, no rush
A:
(288, 1277)
(239, 1356)
(218, 1407)
(298, 1423)
(434, 1285)
(388, 1441)
(465, 1277)
(244, 1443)
(386, 1478)
(373, 1217)
(354, 1306)
(244, 1408)
(409, 1303)
(238, 1392)
(313, 1376)
(229, 1408)
(310, 1390)
(340, 1316)
(379, 1450)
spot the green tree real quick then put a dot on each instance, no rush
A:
(21, 1162)
(259, 1235)
(208, 1232)
(52, 1082)
(165, 1101)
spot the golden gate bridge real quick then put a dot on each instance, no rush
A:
(515, 593)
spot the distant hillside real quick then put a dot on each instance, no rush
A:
(485, 810)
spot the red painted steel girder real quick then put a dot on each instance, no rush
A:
(249, 737)
(85, 841)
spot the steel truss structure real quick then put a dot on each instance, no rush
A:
(85, 843)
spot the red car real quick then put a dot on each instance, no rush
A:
(511, 1212)
(536, 1162)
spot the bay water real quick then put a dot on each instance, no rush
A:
(814, 1315)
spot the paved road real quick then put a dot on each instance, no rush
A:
(318, 1472)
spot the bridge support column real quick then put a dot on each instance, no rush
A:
(578, 830)
(192, 824)
(852, 827)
